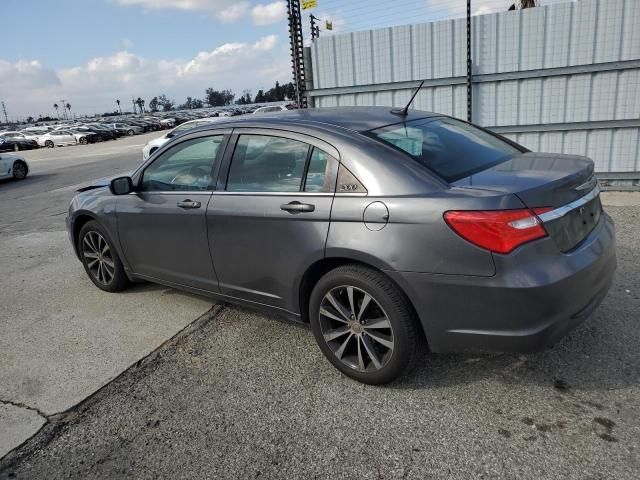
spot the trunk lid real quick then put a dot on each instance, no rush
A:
(563, 183)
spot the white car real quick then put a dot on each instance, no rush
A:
(270, 109)
(13, 166)
(167, 122)
(156, 143)
(57, 138)
(23, 135)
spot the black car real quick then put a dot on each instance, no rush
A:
(15, 141)
(97, 135)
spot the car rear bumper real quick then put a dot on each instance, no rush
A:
(535, 298)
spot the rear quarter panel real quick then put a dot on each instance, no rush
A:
(416, 238)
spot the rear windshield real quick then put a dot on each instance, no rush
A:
(450, 148)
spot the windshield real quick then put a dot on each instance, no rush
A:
(450, 148)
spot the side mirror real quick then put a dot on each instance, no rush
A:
(121, 185)
(169, 135)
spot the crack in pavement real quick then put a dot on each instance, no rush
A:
(26, 407)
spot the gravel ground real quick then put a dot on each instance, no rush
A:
(243, 395)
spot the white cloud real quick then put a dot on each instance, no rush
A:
(224, 10)
(26, 75)
(94, 86)
(271, 13)
(233, 12)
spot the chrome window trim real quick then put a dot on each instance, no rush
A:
(276, 194)
(563, 210)
(172, 192)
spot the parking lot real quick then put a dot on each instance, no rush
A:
(154, 382)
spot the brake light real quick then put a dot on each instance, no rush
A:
(499, 231)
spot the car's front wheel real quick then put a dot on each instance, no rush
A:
(130, 132)
(19, 170)
(364, 324)
(83, 140)
(100, 259)
(16, 147)
(48, 144)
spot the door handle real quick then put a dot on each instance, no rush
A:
(188, 204)
(297, 207)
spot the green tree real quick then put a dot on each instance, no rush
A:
(165, 103)
(153, 104)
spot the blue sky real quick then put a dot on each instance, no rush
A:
(92, 52)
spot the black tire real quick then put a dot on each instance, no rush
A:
(20, 170)
(49, 144)
(83, 140)
(86, 238)
(16, 147)
(404, 332)
(130, 132)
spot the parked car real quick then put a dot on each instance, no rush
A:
(102, 134)
(125, 128)
(270, 109)
(153, 145)
(13, 166)
(16, 141)
(103, 128)
(84, 137)
(57, 138)
(381, 229)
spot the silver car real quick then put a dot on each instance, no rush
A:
(386, 231)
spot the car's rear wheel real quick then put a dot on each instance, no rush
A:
(100, 259)
(19, 170)
(48, 144)
(364, 324)
(83, 140)
(16, 147)
(130, 132)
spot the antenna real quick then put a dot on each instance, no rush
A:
(404, 111)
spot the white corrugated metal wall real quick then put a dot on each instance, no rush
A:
(561, 78)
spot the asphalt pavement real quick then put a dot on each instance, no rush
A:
(184, 389)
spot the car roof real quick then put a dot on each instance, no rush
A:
(359, 119)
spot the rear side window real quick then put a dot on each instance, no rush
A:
(265, 163)
(448, 147)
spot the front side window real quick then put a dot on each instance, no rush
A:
(449, 147)
(263, 163)
(187, 166)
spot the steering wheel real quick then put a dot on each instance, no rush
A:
(189, 175)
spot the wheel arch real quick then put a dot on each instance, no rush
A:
(79, 221)
(321, 267)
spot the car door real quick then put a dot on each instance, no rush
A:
(162, 224)
(269, 217)
(68, 137)
(5, 166)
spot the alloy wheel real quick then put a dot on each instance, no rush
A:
(98, 257)
(19, 170)
(356, 328)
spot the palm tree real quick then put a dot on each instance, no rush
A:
(119, 108)
(69, 108)
(55, 105)
(140, 104)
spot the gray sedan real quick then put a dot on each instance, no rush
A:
(386, 231)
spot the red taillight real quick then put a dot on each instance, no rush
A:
(499, 231)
